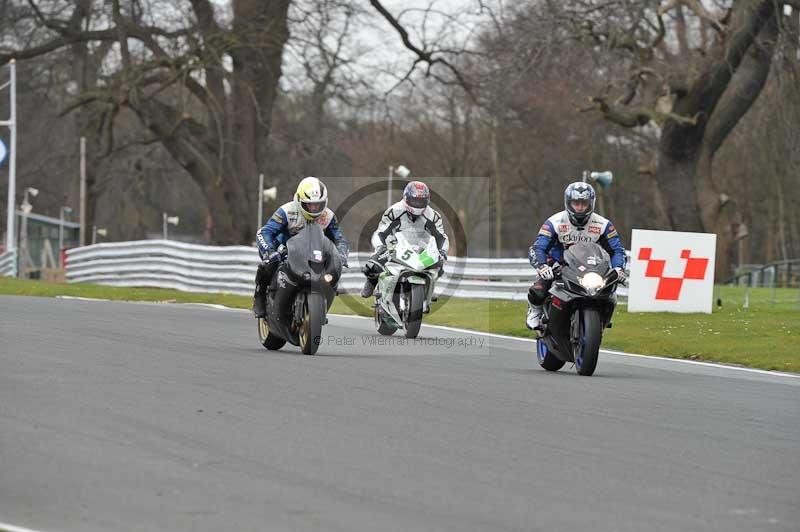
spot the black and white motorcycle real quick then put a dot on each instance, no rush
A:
(578, 308)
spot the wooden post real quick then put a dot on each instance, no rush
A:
(498, 194)
(82, 238)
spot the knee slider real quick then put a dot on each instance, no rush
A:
(536, 294)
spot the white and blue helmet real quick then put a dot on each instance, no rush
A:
(576, 192)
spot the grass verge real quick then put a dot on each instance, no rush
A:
(761, 330)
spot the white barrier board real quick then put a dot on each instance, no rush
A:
(671, 271)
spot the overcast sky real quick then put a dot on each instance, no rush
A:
(379, 48)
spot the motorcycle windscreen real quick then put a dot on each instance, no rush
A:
(587, 257)
(309, 251)
(425, 253)
(416, 239)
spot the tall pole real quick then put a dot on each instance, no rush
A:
(12, 158)
(165, 226)
(60, 234)
(498, 195)
(24, 252)
(389, 190)
(83, 192)
(260, 201)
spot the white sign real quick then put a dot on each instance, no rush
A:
(671, 271)
(3, 151)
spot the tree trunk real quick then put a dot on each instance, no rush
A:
(723, 93)
(224, 153)
(676, 178)
(263, 25)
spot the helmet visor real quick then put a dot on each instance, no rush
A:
(579, 206)
(417, 203)
(313, 207)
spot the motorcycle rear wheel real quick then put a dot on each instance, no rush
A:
(547, 359)
(267, 339)
(311, 328)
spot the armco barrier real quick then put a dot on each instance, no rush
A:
(231, 269)
(8, 264)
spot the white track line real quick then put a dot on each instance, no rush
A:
(504, 337)
(11, 528)
(612, 352)
(78, 298)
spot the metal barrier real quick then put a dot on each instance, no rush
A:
(8, 264)
(780, 274)
(231, 269)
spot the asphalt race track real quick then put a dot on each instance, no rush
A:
(138, 417)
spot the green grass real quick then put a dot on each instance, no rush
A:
(765, 335)
(20, 287)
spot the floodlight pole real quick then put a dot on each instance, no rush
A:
(82, 231)
(260, 202)
(389, 190)
(12, 157)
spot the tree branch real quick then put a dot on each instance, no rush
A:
(635, 116)
(746, 25)
(422, 55)
(56, 43)
(697, 7)
(745, 86)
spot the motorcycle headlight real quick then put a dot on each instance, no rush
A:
(592, 281)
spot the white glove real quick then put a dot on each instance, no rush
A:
(623, 278)
(545, 272)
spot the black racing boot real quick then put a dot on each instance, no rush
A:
(260, 296)
(369, 287)
(260, 303)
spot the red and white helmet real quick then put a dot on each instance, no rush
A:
(416, 197)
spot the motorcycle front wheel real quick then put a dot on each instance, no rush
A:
(412, 319)
(587, 348)
(311, 326)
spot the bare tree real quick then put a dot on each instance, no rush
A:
(696, 98)
(201, 84)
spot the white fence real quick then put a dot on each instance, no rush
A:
(231, 269)
(8, 264)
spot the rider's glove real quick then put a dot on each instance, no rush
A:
(273, 256)
(623, 277)
(443, 253)
(545, 272)
(343, 256)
